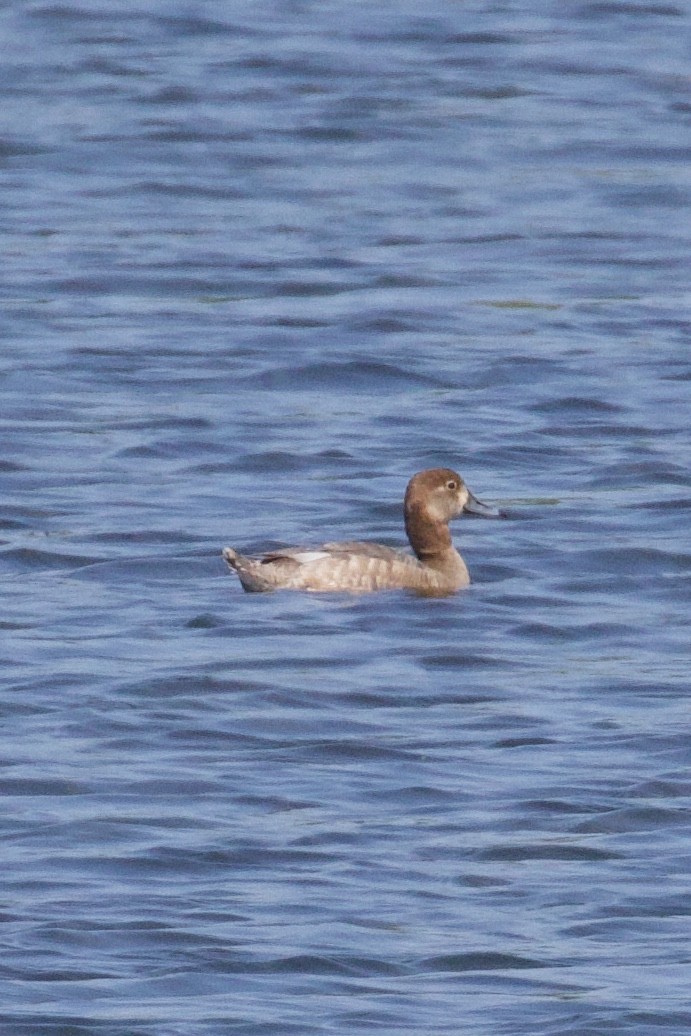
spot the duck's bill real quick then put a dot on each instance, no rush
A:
(475, 506)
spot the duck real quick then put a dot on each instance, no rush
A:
(432, 499)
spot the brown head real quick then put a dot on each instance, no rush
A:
(432, 499)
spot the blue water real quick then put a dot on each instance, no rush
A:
(261, 262)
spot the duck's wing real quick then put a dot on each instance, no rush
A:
(306, 555)
(294, 556)
(368, 550)
(283, 567)
(353, 566)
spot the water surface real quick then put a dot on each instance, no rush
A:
(261, 263)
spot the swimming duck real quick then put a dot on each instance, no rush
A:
(432, 499)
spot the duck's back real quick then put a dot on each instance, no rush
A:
(351, 566)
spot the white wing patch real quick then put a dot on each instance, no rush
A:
(304, 557)
(297, 556)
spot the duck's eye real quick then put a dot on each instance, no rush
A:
(451, 484)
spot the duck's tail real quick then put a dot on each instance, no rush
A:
(232, 557)
(246, 569)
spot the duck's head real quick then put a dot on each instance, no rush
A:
(441, 494)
